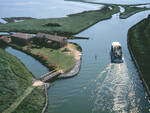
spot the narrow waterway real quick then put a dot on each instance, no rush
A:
(32, 65)
(102, 87)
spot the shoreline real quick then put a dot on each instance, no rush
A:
(46, 99)
(46, 86)
(146, 88)
(24, 80)
(73, 72)
(134, 59)
(70, 73)
(76, 51)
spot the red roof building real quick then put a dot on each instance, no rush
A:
(21, 38)
(61, 41)
(5, 39)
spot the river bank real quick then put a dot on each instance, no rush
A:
(63, 60)
(15, 81)
(73, 49)
(138, 42)
(76, 68)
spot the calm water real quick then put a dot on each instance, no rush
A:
(100, 87)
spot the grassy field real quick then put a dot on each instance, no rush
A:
(33, 103)
(57, 57)
(68, 26)
(14, 79)
(139, 42)
(129, 11)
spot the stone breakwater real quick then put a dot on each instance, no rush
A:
(72, 72)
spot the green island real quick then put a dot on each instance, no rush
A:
(12, 71)
(139, 46)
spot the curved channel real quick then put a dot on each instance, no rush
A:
(32, 64)
(102, 87)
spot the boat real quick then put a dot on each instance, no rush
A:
(116, 52)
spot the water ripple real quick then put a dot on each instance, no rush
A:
(117, 91)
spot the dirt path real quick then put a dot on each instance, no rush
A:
(38, 83)
(18, 101)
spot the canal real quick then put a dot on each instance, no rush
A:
(100, 87)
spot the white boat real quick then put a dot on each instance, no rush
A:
(116, 52)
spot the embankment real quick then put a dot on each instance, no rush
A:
(139, 47)
(76, 51)
(15, 79)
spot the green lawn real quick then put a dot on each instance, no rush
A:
(14, 79)
(139, 41)
(56, 56)
(68, 26)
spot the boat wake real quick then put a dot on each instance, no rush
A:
(104, 71)
(114, 91)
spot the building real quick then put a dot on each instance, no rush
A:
(5, 39)
(52, 40)
(21, 38)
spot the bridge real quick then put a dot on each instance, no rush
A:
(49, 76)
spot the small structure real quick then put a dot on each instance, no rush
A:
(52, 40)
(5, 39)
(21, 38)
